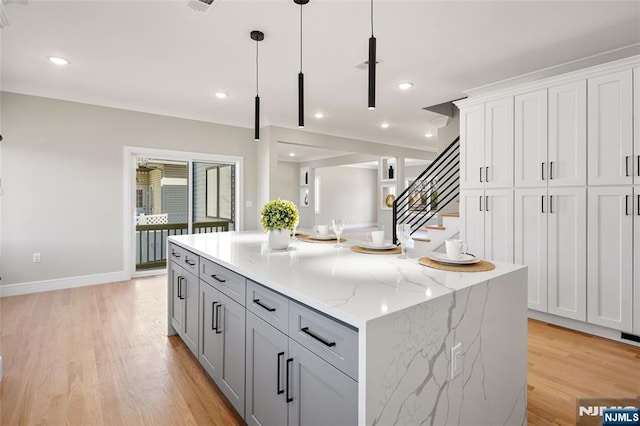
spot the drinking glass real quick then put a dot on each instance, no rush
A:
(338, 227)
(403, 232)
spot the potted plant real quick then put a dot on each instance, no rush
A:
(279, 218)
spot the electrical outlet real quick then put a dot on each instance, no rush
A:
(37, 258)
(456, 360)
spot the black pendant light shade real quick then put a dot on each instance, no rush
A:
(301, 74)
(257, 36)
(372, 72)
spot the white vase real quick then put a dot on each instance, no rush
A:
(279, 239)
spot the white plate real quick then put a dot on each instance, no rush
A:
(322, 237)
(372, 246)
(464, 260)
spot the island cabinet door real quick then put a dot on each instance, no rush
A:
(319, 393)
(176, 275)
(267, 354)
(610, 255)
(191, 295)
(567, 245)
(531, 206)
(209, 349)
(230, 324)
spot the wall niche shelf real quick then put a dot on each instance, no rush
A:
(304, 176)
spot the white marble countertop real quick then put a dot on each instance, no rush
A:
(354, 288)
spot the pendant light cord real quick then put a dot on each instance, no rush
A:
(300, 37)
(371, 18)
(257, 68)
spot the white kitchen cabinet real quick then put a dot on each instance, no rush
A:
(530, 136)
(610, 257)
(636, 261)
(222, 343)
(184, 306)
(486, 157)
(557, 269)
(487, 223)
(610, 129)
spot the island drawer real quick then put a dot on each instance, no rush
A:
(268, 305)
(176, 253)
(331, 340)
(190, 261)
(225, 280)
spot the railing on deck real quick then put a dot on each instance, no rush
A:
(430, 192)
(151, 240)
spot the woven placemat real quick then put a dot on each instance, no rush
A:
(481, 266)
(313, 240)
(358, 249)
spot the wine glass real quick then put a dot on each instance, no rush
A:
(403, 232)
(338, 227)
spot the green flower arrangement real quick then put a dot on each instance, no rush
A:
(279, 214)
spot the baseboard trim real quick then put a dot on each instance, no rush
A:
(61, 283)
(596, 330)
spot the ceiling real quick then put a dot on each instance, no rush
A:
(164, 57)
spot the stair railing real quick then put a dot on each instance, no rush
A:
(436, 187)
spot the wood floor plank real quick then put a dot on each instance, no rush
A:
(99, 356)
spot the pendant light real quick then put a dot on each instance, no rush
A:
(372, 66)
(257, 36)
(300, 74)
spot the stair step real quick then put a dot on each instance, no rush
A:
(423, 239)
(435, 227)
(452, 214)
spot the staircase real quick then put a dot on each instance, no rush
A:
(424, 200)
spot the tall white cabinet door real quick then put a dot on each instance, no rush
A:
(472, 147)
(498, 225)
(636, 260)
(530, 237)
(568, 135)
(610, 255)
(610, 105)
(498, 144)
(530, 127)
(567, 251)
(636, 126)
(472, 203)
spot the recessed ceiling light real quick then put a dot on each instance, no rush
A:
(58, 60)
(319, 115)
(384, 125)
(405, 85)
(292, 154)
(221, 95)
(428, 135)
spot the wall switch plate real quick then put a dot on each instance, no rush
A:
(456, 360)
(248, 204)
(37, 258)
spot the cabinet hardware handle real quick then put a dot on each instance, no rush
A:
(188, 262)
(289, 361)
(220, 280)
(213, 323)
(175, 254)
(218, 331)
(550, 170)
(486, 174)
(626, 165)
(320, 339)
(542, 203)
(638, 205)
(486, 203)
(480, 174)
(550, 203)
(180, 295)
(263, 306)
(480, 200)
(626, 205)
(280, 391)
(542, 170)
(638, 165)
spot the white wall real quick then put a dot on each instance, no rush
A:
(349, 193)
(63, 171)
(288, 179)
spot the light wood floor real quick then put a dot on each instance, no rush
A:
(99, 355)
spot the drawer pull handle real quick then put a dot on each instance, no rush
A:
(480, 174)
(638, 165)
(190, 262)
(220, 280)
(280, 391)
(626, 206)
(550, 170)
(218, 331)
(486, 203)
(486, 174)
(542, 167)
(638, 205)
(175, 254)
(550, 203)
(289, 362)
(263, 306)
(306, 331)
